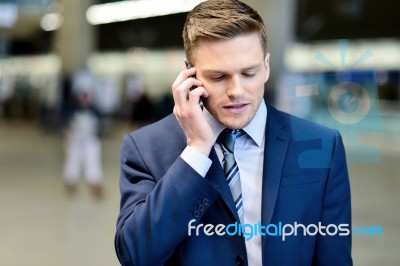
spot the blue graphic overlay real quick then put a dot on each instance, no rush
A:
(345, 100)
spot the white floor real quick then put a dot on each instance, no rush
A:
(41, 226)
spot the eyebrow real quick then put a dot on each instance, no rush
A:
(214, 71)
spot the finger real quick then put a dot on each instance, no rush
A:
(180, 93)
(180, 86)
(194, 95)
(201, 91)
(183, 75)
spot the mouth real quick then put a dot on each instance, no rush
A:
(236, 107)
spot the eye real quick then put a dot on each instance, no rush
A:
(249, 74)
(218, 78)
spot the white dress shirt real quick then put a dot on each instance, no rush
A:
(249, 155)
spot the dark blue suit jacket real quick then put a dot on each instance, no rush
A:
(305, 181)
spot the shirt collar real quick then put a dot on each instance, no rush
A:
(255, 129)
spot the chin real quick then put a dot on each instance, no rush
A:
(236, 123)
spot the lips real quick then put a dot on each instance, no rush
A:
(236, 108)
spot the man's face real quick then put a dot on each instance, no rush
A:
(233, 72)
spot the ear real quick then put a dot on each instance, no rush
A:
(185, 62)
(267, 69)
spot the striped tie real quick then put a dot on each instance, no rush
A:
(227, 141)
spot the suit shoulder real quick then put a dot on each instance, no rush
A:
(306, 127)
(164, 132)
(157, 145)
(162, 127)
(302, 122)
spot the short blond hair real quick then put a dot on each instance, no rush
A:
(221, 20)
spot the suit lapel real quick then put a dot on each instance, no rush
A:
(276, 144)
(217, 176)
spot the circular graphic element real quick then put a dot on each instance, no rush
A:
(348, 103)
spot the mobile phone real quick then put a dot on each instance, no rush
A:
(188, 65)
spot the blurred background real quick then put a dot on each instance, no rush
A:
(335, 62)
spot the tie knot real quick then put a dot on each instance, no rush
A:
(228, 137)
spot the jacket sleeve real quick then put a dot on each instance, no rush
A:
(155, 212)
(336, 209)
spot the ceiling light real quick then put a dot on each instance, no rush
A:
(130, 10)
(52, 21)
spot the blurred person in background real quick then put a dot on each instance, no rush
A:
(82, 145)
(48, 94)
(7, 90)
(180, 177)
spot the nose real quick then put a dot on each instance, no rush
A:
(235, 87)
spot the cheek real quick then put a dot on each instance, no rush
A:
(256, 89)
(212, 97)
(214, 93)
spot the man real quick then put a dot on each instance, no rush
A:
(176, 201)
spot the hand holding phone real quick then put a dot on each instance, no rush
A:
(188, 65)
(199, 133)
